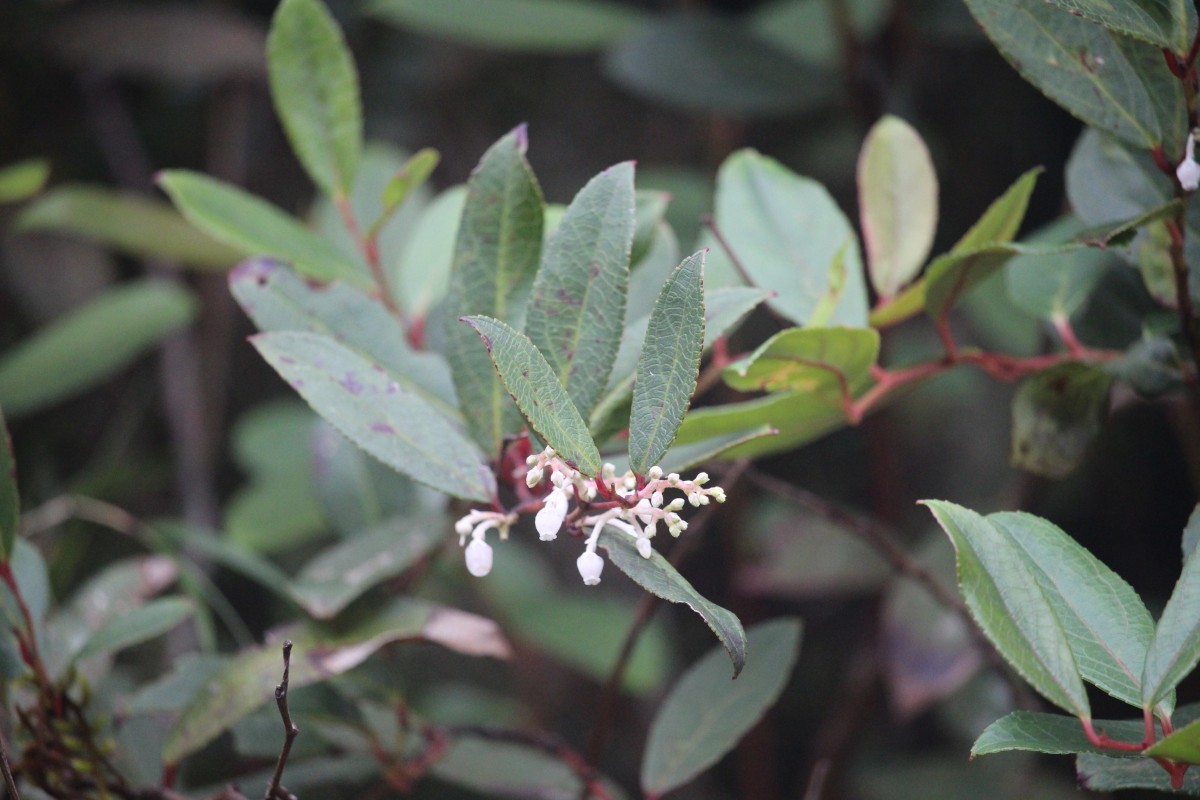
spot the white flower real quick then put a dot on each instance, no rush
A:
(550, 518)
(479, 557)
(590, 566)
(1188, 171)
(643, 547)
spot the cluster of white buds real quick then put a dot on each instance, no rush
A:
(624, 503)
(476, 524)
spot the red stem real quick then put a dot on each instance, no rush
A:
(369, 246)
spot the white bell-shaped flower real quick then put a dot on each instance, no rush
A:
(479, 557)
(550, 518)
(590, 566)
(643, 547)
(1188, 171)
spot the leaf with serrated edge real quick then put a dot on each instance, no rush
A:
(1075, 63)
(495, 260)
(831, 362)
(277, 299)
(669, 364)
(315, 89)
(657, 576)
(535, 388)
(705, 715)
(1162, 23)
(255, 227)
(137, 626)
(1183, 745)
(1052, 733)
(371, 409)
(898, 203)
(1175, 649)
(577, 310)
(1005, 600)
(1107, 625)
(10, 500)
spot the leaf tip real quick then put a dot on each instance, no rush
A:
(520, 135)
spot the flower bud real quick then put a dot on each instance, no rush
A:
(643, 547)
(479, 558)
(590, 566)
(550, 518)
(534, 477)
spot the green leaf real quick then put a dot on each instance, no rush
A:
(137, 626)
(1183, 745)
(542, 399)
(320, 652)
(1052, 733)
(339, 575)
(315, 89)
(423, 270)
(832, 363)
(1006, 602)
(1162, 23)
(1106, 623)
(976, 256)
(1056, 415)
(255, 227)
(669, 364)
(786, 231)
(1175, 650)
(23, 179)
(685, 456)
(371, 409)
(91, 344)
(535, 26)
(1191, 533)
(1075, 63)
(496, 768)
(907, 304)
(898, 203)
(650, 209)
(10, 498)
(407, 179)
(705, 715)
(577, 310)
(799, 418)
(277, 299)
(700, 61)
(1107, 773)
(657, 576)
(129, 223)
(1056, 286)
(495, 260)
(355, 491)
(810, 30)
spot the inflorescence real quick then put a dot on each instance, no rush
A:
(633, 505)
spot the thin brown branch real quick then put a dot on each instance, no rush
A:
(13, 794)
(274, 790)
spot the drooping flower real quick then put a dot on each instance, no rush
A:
(479, 557)
(550, 518)
(1188, 171)
(590, 566)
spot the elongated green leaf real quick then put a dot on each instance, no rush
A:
(535, 388)
(669, 364)
(1075, 63)
(650, 209)
(1010, 607)
(705, 715)
(408, 179)
(495, 768)
(685, 456)
(905, 305)
(786, 231)
(277, 299)
(1106, 623)
(799, 418)
(495, 260)
(23, 179)
(129, 223)
(898, 203)
(424, 267)
(355, 491)
(1162, 23)
(255, 227)
(315, 89)
(321, 652)
(391, 423)
(1175, 650)
(90, 345)
(976, 257)
(577, 310)
(832, 363)
(137, 626)
(1056, 415)
(342, 573)
(540, 26)
(1109, 773)
(657, 576)
(1056, 286)
(10, 499)
(1052, 733)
